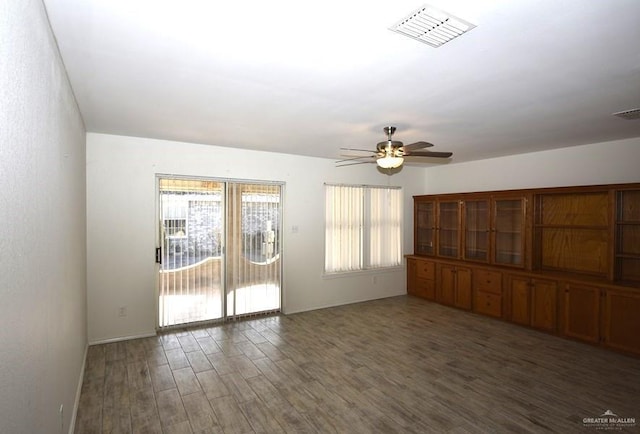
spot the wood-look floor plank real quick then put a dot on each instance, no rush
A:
(260, 417)
(200, 414)
(176, 358)
(186, 381)
(178, 428)
(138, 374)
(229, 415)
(208, 345)
(244, 366)
(212, 385)
(188, 343)
(162, 378)
(144, 412)
(238, 387)
(170, 408)
(155, 356)
(198, 361)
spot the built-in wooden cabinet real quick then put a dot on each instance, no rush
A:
(533, 302)
(563, 260)
(582, 312)
(454, 285)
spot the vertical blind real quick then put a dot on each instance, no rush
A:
(363, 227)
(385, 212)
(344, 211)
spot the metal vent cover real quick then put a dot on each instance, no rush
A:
(431, 26)
(630, 115)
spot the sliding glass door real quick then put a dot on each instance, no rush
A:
(219, 249)
(253, 251)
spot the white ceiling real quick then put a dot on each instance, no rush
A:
(310, 77)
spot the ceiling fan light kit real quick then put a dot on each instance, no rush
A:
(389, 162)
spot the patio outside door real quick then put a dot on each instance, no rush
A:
(219, 249)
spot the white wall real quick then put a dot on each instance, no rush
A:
(43, 240)
(122, 228)
(599, 163)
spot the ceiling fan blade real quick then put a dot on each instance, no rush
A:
(417, 145)
(355, 158)
(353, 164)
(362, 150)
(432, 154)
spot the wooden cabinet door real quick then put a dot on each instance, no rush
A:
(427, 289)
(462, 288)
(621, 320)
(446, 284)
(520, 300)
(544, 295)
(582, 312)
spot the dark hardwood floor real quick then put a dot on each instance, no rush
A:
(400, 364)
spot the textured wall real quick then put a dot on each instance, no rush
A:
(43, 229)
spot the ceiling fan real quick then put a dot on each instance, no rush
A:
(390, 153)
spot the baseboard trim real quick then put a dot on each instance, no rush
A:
(346, 303)
(76, 404)
(123, 338)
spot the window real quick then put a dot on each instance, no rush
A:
(363, 227)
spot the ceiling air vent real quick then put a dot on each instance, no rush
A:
(431, 26)
(630, 115)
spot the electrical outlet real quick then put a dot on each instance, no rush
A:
(374, 279)
(122, 311)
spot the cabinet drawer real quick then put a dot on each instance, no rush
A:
(426, 288)
(488, 303)
(488, 281)
(425, 270)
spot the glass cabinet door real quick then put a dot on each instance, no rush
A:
(627, 258)
(448, 229)
(508, 232)
(476, 230)
(425, 224)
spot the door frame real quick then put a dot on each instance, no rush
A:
(158, 243)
